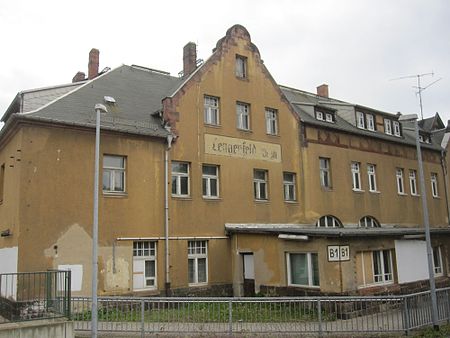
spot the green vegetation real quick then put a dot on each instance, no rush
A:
(429, 332)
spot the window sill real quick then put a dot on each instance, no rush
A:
(115, 194)
(434, 197)
(216, 126)
(262, 201)
(293, 202)
(326, 189)
(242, 78)
(273, 135)
(359, 191)
(402, 194)
(182, 198)
(375, 192)
(193, 285)
(212, 199)
(244, 130)
(372, 285)
(304, 286)
(415, 195)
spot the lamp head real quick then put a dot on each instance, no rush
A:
(101, 107)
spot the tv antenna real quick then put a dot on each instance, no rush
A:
(419, 88)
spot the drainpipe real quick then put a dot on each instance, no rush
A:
(166, 214)
(445, 173)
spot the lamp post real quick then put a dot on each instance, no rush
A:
(99, 108)
(426, 220)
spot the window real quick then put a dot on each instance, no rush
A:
(328, 222)
(371, 173)
(325, 174)
(144, 264)
(434, 185)
(437, 261)
(424, 138)
(329, 117)
(113, 174)
(260, 184)
(400, 183)
(180, 179)
(210, 178)
(243, 116)
(197, 262)
(303, 269)
(370, 122)
(211, 109)
(388, 126)
(368, 222)
(356, 176)
(382, 266)
(413, 182)
(241, 66)
(2, 181)
(289, 186)
(396, 126)
(319, 115)
(271, 121)
(360, 120)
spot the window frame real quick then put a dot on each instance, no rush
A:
(320, 115)
(112, 175)
(434, 185)
(360, 120)
(356, 176)
(329, 117)
(370, 122)
(325, 173)
(2, 182)
(437, 268)
(195, 256)
(152, 246)
(289, 187)
(399, 176)
(241, 67)
(396, 128)
(271, 121)
(384, 276)
(258, 183)
(372, 177)
(323, 221)
(209, 178)
(211, 112)
(388, 126)
(178, 178)
(243, 116)
(368, 222)
(413, 182)
(309, 266)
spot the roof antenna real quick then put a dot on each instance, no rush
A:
(419, 88)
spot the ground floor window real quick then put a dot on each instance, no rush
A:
(375, 267)
(303, 269)
(144, 265)
(382, 266)
(197, 262)
(437, 261)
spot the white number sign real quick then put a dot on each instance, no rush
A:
(338, 253)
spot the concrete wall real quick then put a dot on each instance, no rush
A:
(58, 328)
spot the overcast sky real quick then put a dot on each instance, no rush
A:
(355, 46)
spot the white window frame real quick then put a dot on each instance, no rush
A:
(207, 181)
(310, 268)
(356, 176)
(113, 171)
(368, 222)
(211, 110)
(396, 127)
(400, 181)
(325, 172)
(370, 119)
(413, 182)
(289, 187)
(387, 126)
(360, 120)
(271, 121)
(372, 177)
(329, 117)
(434, 185)
(319, 115)
(328, 221)
(385, 276)
(241, 66)
(260, 186)
(197, 250)
(243, 116)
(437, 261)
(146, 251)
(179, 176)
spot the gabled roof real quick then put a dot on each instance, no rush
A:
(430, 124)
(138, 93)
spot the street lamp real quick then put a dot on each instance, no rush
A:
(99, 108)
(426, 220)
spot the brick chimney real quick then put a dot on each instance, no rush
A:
(189, 58)
(80, 76)
(322, 90)
(93, 63)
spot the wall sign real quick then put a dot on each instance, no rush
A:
(242, 148)
(338, 253)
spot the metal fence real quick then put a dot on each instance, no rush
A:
(34, 295)
(323, 315)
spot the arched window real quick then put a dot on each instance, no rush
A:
(368, 222)
(329, 222)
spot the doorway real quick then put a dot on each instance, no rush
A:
(248, 274)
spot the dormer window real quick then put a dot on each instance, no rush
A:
(388, 126)
(424, 138)
(370, 122)
(329, 117)
(365, 121)
(392, 127)
(396, 126)
(324, 116)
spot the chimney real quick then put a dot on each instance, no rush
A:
(80, 76)
(93, 63)
(322, 90)
(189, 58)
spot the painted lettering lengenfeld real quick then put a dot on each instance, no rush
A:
(234, 147)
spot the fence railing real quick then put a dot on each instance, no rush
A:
(35, 295)
(321, 315)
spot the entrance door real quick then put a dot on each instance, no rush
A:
(249, 275)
